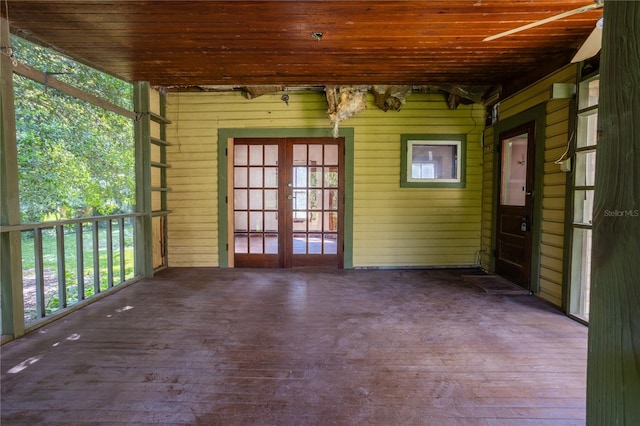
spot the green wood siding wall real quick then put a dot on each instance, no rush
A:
(488, 200)
(557, 133)
(392, 226)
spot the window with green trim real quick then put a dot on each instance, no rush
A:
(433, 161)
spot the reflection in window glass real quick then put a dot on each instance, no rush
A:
(255, 177)
(315, 154)
(583, 196)
(331, 177)
(331, 155)
(255, 219)
(255, 155)
(240, 155)
(255, 199)
(432, 161)
(256, 244)
(299, 177)
(271, 155)
(271, 222)
(423, 170)
(271, 199)
(315, 243)
(240, 179)
(583, 207)
(240, 199)
(589, 93)
(587, 129)
(581, 273)
(315, 177)
(299, 243)
(514, 171)
(271, 243)
(299, 155)
(330, 243)
(241, 221)
(585, 168)
(271, 177)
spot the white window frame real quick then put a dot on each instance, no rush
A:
(410, 141)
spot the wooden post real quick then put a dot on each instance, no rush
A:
(613, 369)
(144, 248)
(12, 307)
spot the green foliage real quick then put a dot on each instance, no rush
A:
(74, 159)
(71, 72)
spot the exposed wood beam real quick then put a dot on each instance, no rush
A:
(49, 81)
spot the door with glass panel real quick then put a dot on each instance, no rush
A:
(515, 205)
(288, 202)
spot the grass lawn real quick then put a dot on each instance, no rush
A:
(50, 265)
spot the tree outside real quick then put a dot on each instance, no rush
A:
(74, 159)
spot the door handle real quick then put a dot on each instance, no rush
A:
(529, 193)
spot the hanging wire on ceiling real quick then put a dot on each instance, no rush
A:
(473, 118)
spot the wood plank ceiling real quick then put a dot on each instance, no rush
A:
(186, 44)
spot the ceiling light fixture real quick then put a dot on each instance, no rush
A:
(316, 36)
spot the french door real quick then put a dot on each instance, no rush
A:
(515, 205)
(288, 196)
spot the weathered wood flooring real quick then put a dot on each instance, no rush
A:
(301, 347)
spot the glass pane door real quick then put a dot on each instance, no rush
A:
(514, 226)
(256, 203)
(315, 200)
(287, 202)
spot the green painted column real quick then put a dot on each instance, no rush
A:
(12, 306)
(143, 246)
(613, 368)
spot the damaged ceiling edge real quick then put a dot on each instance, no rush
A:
(484, 95)
(346, 101)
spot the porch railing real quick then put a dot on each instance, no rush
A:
(69, 261)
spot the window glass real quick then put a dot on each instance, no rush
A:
(583, 198)
(583, 207)
(587, 129)
(429, 160)
(585, 168)
(514, 171)
(589, 93)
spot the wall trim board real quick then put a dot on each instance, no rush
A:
(223, 137)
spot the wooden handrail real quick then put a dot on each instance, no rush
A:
(53, 224)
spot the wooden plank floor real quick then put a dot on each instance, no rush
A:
(301, 347)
